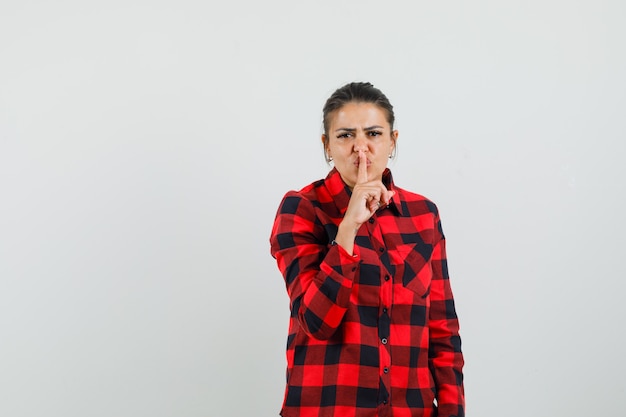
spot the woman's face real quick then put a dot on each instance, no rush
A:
(355, 127)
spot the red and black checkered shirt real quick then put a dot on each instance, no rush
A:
(374, 334)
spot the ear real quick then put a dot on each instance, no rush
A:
(325, 143)
(394, 139)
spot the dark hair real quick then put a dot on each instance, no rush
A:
(357, 92)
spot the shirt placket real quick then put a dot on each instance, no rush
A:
(384, 317)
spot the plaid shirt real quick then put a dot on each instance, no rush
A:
(374, 334)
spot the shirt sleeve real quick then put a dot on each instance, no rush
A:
(318, 274)
(445, 356)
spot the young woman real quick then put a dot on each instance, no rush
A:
(373, 328)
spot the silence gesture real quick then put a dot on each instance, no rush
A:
(367, 197)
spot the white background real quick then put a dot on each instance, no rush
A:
(145, 146)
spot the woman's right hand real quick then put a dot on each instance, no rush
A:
(367, 197)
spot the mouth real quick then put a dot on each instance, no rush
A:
(357, 162)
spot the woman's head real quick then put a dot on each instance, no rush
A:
(358, 93)
(358, 118)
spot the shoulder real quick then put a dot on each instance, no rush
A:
(295, 201)
(414, 203)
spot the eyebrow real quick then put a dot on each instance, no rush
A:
(367, 129)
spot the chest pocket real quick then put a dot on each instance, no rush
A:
(414, 266)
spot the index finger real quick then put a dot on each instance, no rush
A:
(362, 174)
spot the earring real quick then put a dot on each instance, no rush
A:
(330, 159)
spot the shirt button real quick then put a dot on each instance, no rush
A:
(371, 220)
(383, 340)
(386, 277)
(385, 310)
(384, 401)
(386, 370)
(381, 250)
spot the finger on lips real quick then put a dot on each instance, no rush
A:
(382, 196)
(362, 174)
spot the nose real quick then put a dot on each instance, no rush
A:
(360, 143)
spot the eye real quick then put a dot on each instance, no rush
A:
(344, 135)
(374, 133)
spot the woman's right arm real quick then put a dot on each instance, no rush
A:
(318, 274)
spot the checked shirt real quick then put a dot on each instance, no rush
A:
(374, 334)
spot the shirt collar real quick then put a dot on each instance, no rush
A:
(341, 193)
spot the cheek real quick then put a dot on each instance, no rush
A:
(341, 151)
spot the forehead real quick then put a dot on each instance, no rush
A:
(356, 114)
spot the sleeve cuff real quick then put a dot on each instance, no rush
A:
(345, 256)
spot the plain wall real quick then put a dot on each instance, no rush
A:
(145, 146)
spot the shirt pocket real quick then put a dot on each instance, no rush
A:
(415, 267)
